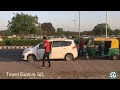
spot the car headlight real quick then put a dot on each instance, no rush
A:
(27, 50)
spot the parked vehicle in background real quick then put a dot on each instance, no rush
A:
(61, 48)
(50, 37)
(104, 36)
(85, 36)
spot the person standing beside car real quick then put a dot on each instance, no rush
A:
(81, 46)
(47, 52)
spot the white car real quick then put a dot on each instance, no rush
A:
(61, 48)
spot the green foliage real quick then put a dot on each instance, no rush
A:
(23, 24)
(19, 42)
(8, 42)
(2, 43)
(85, 41)
(100, 29)
(48, 28)
(59, 31)
(35, 42)
(116, 32)
(28, 42)
(87, 33)
(5, 32)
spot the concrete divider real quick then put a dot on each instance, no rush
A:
(23, 47)
(14, 47)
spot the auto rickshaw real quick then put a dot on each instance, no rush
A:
(103, 47)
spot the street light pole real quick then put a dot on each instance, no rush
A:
(79, 24)
(74, 24)
(106, 23)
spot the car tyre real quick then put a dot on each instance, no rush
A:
(69, 57)
(31, 58)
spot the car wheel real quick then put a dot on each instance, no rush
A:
(69, 57)
(115, 57)
(31, 58)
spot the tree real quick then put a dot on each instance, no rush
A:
(39, 32)
(116, 32)
(23, 24)
(87, 33)
(48, 29)
(67, 33)
(59, 31)
(100, 29)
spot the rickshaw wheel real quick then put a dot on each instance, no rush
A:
(87, 57)
(115, 57)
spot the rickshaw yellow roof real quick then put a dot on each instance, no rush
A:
(105, 39)
(114, 41)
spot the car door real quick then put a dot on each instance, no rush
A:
(58, 50)
(40, 51)
(64, 45)
(55, 52)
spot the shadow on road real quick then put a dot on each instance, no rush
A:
(15, 55)
(10, 55)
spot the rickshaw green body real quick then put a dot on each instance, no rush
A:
(112, 50)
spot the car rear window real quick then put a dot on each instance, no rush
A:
(56, 44)
(61, 43)
(65, 43)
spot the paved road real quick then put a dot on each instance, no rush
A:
(11, 55)
(11, 61)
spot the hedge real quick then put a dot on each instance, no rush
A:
(19, 42)
(28, 42)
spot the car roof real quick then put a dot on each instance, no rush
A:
(60, 39)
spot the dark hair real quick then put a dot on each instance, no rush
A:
(44, 38)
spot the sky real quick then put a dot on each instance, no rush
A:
(68, 20)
